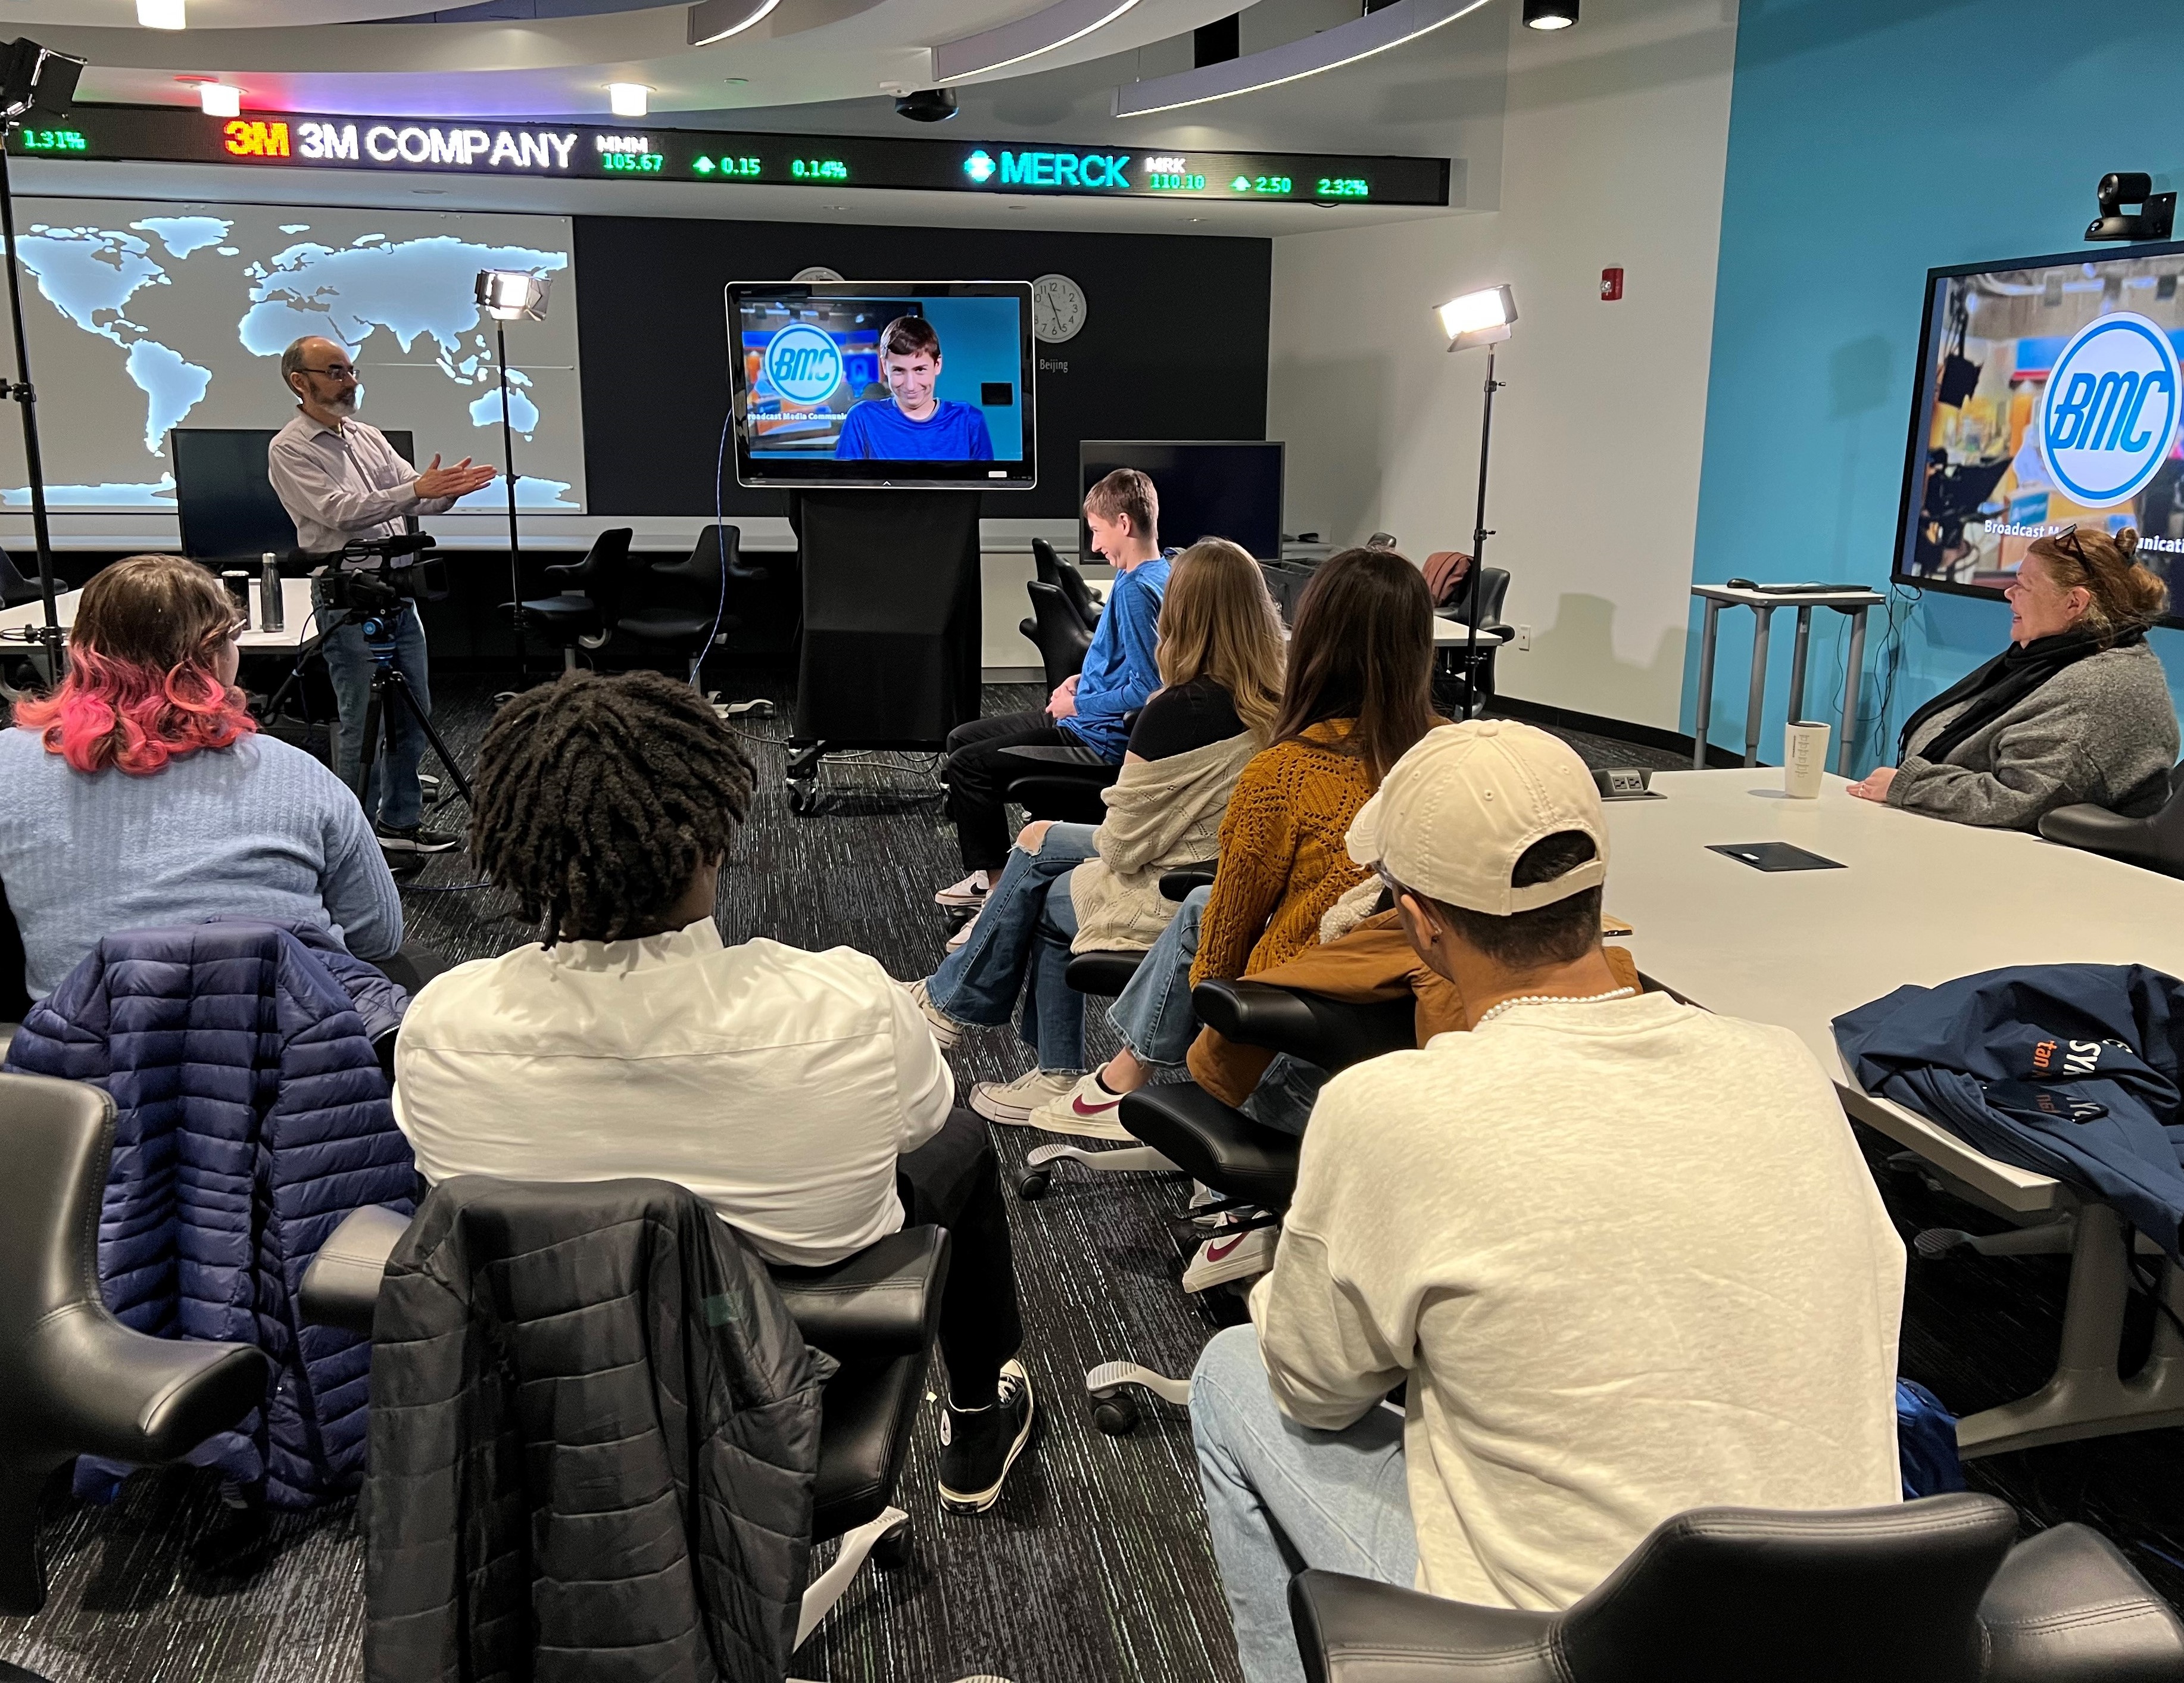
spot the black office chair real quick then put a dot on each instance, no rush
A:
(688, 626)
(877, 1313)
(2155, 841)
(1929, 1591)
(72, 1379)
(591, 592)
(1449, 666)
(1060, 637)
(15, 589)
(14, 986)
(1060, 782)
(1064, 576)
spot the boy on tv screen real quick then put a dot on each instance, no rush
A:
(911, 423)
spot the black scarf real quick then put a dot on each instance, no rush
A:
(1998, 686)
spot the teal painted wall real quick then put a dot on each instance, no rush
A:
(1871, 141)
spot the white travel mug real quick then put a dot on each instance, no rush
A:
(1804, 758)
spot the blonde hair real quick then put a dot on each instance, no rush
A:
(2127, 596)
(1217, 621)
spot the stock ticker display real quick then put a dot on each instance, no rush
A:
(297, 141)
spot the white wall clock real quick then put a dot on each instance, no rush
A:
(816, 272)
(1057, 309)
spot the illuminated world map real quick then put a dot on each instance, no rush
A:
(157, 317)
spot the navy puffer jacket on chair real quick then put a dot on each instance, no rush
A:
(252, 1116)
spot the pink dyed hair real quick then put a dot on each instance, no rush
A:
(141, 688)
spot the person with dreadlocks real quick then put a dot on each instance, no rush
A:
(800, 1094)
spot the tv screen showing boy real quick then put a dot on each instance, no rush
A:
(912, 423)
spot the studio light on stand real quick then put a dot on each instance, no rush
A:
(32, 80)
(1481, 318)
(511, 295)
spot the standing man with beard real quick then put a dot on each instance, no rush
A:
(341, 480)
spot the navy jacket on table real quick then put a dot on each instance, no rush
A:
(251, 1117)
(2071, 1070)
(594, 1443)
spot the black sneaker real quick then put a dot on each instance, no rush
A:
(413, 838)
(978, 1445)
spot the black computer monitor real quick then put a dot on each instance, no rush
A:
(224, 500)
(1207, 489)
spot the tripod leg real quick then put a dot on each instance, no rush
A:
(408, 699)
(367, 748)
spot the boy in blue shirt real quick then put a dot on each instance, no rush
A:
(911, 424)
(1086, 711)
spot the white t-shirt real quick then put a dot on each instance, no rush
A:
(1631, 1262)
(780, 1086)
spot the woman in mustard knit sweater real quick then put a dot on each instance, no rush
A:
(1358, 693)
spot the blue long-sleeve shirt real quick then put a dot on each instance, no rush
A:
(256, 830)
(1119, 669)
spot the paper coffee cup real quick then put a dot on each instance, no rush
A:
(1804, 758)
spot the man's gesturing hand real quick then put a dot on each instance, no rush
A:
(459, 481)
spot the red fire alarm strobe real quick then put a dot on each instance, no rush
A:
(1611, 285)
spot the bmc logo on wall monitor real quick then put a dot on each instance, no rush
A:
(803, 364)
(2110, 410)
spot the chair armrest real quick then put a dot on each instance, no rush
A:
(113, 1390)
(1104, 971)
(2067, 1607)
(1210, 1142)
(883, 1301)
(341, 1287)
(1331, 1034)
(1179, 884)
(563, 569)
(1353, 1631)
(1057, 756)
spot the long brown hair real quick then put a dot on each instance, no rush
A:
(1362, 649)
(2127, 596)
(1217, 621)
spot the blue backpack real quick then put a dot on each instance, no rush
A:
(1926, 1442)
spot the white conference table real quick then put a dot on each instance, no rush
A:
(1920, 901)
(295, 616)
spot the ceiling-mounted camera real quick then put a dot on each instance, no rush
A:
(928, 105)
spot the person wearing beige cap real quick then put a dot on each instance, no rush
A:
(1623, 1253)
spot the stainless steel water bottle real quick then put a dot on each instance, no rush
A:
(270, 616)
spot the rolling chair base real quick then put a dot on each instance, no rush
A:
(1114, 1410)
(1038, 1174)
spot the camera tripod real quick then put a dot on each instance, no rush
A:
(390, 690)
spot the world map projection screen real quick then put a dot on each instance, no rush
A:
(145, 317)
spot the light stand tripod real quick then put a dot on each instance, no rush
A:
(506, 295)
(32, 79)
(1480, 318)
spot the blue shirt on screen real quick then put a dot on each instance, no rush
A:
(1119, 670)
(875, 430)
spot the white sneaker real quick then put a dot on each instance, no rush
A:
(1013, 1102)
(946, 1028)
(1231, 1255)
(1088, 1109)
(963, 934)
(971, 891)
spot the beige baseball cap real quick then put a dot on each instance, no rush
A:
(1454, 816)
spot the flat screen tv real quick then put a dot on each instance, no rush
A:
(223, 497)
(1210, 489)
(2048, 397)
(882, 383)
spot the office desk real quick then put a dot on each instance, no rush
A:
(1921, 901)
(295, 614)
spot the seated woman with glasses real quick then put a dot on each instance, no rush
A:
(141, 795)
(2076, 709)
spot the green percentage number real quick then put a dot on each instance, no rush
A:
(820, 170)
(1343, 186)
(55, 140)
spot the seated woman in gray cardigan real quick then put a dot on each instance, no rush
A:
(2076, 709)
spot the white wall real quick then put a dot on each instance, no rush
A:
(1613, 144)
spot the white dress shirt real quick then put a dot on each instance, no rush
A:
(339, 484)
(780, 1086)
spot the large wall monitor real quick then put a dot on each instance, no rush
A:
(148, 317)
(287, 142)
(882, 383)
(1206, 490)
(2049, 398)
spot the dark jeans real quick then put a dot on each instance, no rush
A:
(413, 967)
(953, 1181)
(979, 775)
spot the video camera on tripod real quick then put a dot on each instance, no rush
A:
(382, 590)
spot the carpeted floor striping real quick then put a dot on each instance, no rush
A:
(1095, 1568)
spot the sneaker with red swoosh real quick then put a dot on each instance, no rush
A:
(1088, 1109)
(1230, 1255)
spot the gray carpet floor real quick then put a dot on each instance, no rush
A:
(1095, 1566)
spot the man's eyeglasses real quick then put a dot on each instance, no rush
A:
(336, 370)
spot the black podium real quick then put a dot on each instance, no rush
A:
(892, 637)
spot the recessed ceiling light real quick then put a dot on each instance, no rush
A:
(218, 99)
(161, 14)
(1550, 13)
(629, 98)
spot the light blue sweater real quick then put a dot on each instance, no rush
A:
(258, 830)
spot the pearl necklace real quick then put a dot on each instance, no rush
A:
(1552, 999)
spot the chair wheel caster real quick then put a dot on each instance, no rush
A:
(1032, 1184)
(1116, 1414)
(803, 795)
(892, 1552)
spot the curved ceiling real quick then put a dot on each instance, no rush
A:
(806, 51)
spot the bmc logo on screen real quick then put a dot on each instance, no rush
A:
(2110, 410)
(803, 364)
